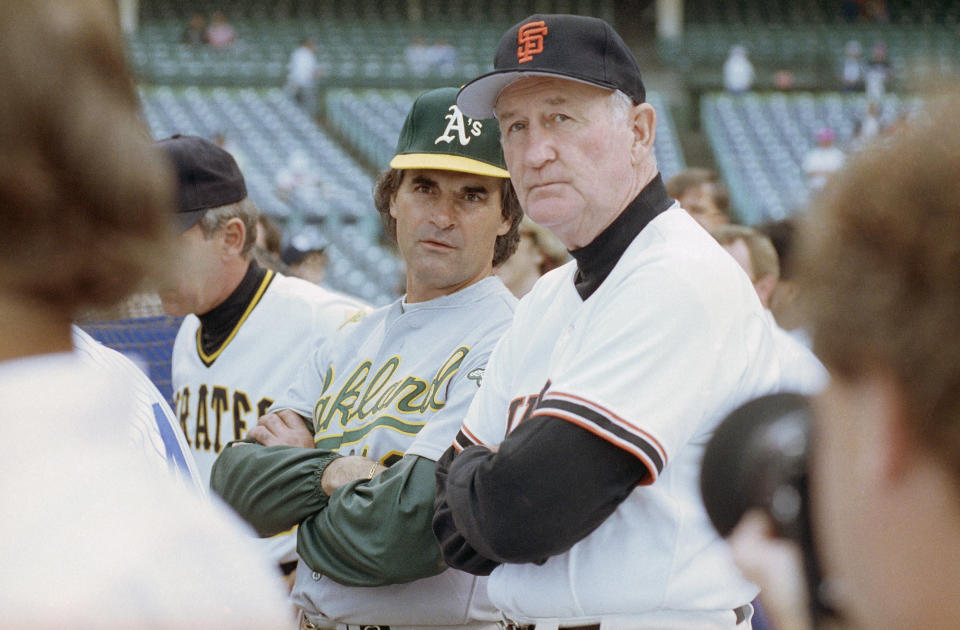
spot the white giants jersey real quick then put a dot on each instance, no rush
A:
(400, 382)
(672, 340)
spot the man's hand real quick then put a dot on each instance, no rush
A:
(346, 469)
(776, 566)
(282, 428)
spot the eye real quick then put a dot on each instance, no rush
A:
(421, 188)
(474, 196)
(517, 126)
(558, 117)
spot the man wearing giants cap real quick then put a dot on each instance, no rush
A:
(247, 330)
(573, 480)
(385, 400)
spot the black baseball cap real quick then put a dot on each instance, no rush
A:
(207, 177)
(575, 47)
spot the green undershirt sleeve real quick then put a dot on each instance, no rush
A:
(376, 532)
(272, 487)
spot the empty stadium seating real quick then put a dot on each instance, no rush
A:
(759, 142)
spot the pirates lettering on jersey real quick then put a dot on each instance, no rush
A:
(367, 393)
(456, 123)
(215, 409)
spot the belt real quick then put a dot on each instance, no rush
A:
(742, 612)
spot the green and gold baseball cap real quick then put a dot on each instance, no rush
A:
(436, 135)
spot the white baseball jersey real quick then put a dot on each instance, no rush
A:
(672, 340)
(218, 396)
(152, 429)
(93, 533)
(400, 383)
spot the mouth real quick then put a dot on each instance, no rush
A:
(434, 244)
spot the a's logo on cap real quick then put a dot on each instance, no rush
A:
(530, 38)
(456, 123)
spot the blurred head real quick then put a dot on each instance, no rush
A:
(702, 194)
(754, 252)
(576, 134)
(783, 301)
(880, 273)
(446, 200)
(825, 136)
(217, 223)
(85, 198)
(538, 252)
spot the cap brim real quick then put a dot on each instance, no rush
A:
(183, 221)
(445, 162)
(478, 98)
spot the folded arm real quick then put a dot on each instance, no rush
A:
(548, 486)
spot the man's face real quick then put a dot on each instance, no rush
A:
(192, 285)
(568, 155)
(741, 253)
(447, 224)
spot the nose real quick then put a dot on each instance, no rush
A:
(443, 212)
(538, 148)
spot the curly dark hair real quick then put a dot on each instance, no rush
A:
(388, 183)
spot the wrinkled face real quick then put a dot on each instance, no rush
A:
(568, 154)
(192, 285)
(447, 224)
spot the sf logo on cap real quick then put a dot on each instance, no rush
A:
(456, 123)
(530, 38)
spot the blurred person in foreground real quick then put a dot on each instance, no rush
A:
(702, 194)
(90, 532)
(880, 275)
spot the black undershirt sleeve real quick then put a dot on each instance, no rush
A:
(548, 486)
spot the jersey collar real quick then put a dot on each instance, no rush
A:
(596, 260)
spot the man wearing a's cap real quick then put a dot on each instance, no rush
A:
(573, 482)
(246, 330)
(387, 397)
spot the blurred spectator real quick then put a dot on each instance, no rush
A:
(877, 73)
(738, 74)
(822, 160)
(444, 57)
(851, 68)
(538, 252)
(754, 252)
(868, 127)
(299, 181)
(220, 33)
(195, 32)
(784, 80)
(419, 57)
(306, 258)
(267, 247)
(302, 74)
(783, 301)
(756, 255)
(702, 194)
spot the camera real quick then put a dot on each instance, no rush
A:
(758, 458)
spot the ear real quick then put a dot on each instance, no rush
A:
(234, 234)
(764, 287)
(393, 204)
(643, 124)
